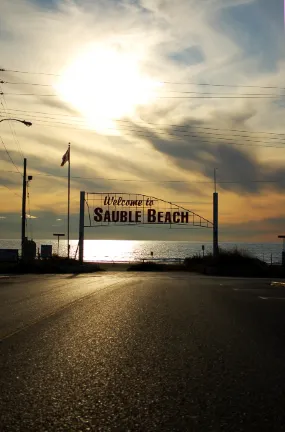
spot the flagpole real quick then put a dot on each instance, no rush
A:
(68, 204)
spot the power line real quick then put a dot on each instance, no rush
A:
(178, 134)
(220, 97)
(219, 138)
(226, 94)
(157, 138)
(44, 113)
(163, 82)
(25, 83)
(165, 97)
(222, 85)
(15, 193)
(11, 172)
(28, 94)
(149, 181)
(10, 157)
(11, 125)
(27, 72)
(29, 209)
(167, 91)
(30, 113)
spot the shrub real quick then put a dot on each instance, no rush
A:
(228, 263)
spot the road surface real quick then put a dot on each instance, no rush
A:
(141, 352)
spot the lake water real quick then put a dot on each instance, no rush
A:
(128, 250)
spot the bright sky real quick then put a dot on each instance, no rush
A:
(124, 82)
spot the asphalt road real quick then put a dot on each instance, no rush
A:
(141, 352)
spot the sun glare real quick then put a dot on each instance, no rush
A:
(106, 84)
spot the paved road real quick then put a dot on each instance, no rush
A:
(141, 352)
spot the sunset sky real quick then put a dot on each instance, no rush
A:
(123, 82)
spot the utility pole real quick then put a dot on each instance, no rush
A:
(68, 205)
(215, 217)
(215, 224)
(24, 196)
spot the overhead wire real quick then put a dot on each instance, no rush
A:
(149, 181)
(206, 96)
(11, 190)
(9, 156)
(160, 81)
(51, 121)
(158, 90)
(11, 126)
(216, 136)
(29, 210)
(222, 85)
(157, 138)
(25, 83)
(143, 123)
(28, 72)
(28, 94)
(180, 135)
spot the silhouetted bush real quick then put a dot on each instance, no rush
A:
(56, 265)
(156, 267)
(228, 263)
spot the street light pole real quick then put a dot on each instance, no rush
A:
(24, 195)
(26, 123)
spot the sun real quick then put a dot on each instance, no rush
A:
(104, 84)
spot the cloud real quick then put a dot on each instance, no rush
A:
(238, 42)
(59, 105)
(194, 151)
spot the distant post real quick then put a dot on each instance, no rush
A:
(215, 224)
(215, 217)
(24, 197)
(81, 227)
(58, 236)
(283, 251)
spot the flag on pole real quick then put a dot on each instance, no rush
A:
(65, 157)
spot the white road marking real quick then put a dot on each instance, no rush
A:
(271, 298)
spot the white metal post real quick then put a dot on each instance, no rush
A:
(81, 227)
(24, 196)
(68, 205)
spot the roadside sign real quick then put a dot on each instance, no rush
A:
(46, 251)
(9, 255)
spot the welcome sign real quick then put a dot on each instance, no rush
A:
(134, 209)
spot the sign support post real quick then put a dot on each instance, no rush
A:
(81, 227)
(24, 197)
(215, 224)
(283, 250)
(68, 205)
